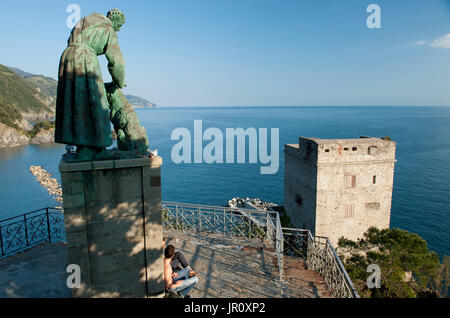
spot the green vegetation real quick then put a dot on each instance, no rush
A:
(9, 115)
(43, 125)
(17, 96)
(46, 84)
(408, 267)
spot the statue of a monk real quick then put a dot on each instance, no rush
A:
(82, 110)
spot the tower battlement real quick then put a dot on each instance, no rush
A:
(316, 150)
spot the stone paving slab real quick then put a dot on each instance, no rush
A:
(36, 272)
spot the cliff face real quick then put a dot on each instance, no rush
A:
(44, 137)
(24, 102)
(10, 137)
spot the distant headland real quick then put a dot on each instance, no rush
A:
(27, 107)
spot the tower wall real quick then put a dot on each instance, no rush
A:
(352, 180)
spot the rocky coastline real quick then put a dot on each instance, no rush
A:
(11, 137)
(248, 203)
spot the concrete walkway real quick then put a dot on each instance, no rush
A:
(36, 272)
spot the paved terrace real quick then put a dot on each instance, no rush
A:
(236, 270)
(226, 270)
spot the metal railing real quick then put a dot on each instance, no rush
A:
(237, 224)
(263, 227)
(321, 257)
(231, 223)
(30, 229)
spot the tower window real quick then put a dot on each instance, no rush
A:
(327, 150)
(298, 200)
(374, 179)
(354, 148)
(350, 181)
(373, 205)
(346, 149)
(349, 211)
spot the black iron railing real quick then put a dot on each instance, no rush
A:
(30, 229)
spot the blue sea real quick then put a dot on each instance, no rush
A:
(421, 198)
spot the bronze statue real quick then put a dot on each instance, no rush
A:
(82, 107)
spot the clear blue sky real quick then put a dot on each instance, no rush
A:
(254, 52)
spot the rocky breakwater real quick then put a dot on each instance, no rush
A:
(46, 180)
(248, 203)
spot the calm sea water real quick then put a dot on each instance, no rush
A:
(421, 198)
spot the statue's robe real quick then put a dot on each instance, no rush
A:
(82, 111)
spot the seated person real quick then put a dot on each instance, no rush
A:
(180, 282)
(177, 259)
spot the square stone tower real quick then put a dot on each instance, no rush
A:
(339, 187)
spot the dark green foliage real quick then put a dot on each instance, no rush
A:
(43, 125)
(285, 220)
(398, 253)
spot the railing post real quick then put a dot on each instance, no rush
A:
(199, 221)
(26, 228)
(48, 225)
(176, 217)
(224, 222)
(1, 240)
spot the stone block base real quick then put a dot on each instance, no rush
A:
(113, 226)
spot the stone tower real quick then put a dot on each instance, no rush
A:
(339, 187)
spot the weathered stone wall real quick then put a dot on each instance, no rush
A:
(353, 184)
(114, 227)
(300, 182)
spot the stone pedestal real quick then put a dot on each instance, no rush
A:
(113, 226)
